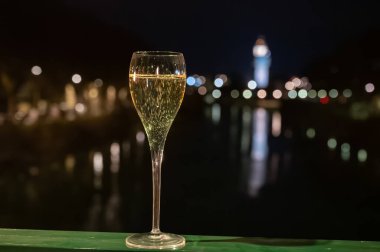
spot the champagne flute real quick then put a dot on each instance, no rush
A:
(157, 81)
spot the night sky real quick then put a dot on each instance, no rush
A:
(217, 36)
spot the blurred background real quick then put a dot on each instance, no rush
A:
(277, 135)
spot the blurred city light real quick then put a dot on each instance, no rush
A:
(277, 94)
(98, 82)
(347, 93)
(305, 83)
(93, 92)
(247, 94)
(296, 81)
(202, 90)
(369, 87)
(215, 113)
(123, 94)
(310, 133)
(76, 78)
(252, 84)
(115, 157)
(36, 70)
(260, 134)
(262, 61)
(261, 94)
(98, 169)
(332, 143)
(70, 163)
(115, 150)
(276, 124)
(200, 80)
(312, 93)
(98, 163)
(345, 147)
(140, 137)
(216, 93)
(292, 94)
(362, 155)
(218, 82)
(345, 151)
(322, 93)
(209, 99)
(289, 85)
(190, 81)
(345, 156)
(302, 93)
(234, 93)
(324, 100)
(333, 93)
(223, 77)
(80, 108)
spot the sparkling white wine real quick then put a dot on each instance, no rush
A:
(157, 99)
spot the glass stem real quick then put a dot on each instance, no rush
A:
(156, 177)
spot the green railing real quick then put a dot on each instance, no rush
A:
(13, 240)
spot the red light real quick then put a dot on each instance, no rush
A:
(324, 100)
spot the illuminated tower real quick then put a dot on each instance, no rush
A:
(261, 63)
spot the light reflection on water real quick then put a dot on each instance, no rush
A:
(259, 151)
(248, 143)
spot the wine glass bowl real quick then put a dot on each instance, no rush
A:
(157, 82)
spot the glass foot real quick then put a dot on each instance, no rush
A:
(155, 241)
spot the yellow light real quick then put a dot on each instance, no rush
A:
(93, 92)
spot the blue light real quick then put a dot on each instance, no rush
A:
(190, 81)
(218, 82)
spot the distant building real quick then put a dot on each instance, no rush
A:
(261, 63)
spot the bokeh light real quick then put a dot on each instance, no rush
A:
(347, 93)
(76, 78)
(333, 93)
(292, 94)
(218, 82)
(322, 93)
(202, 90)
(302, 93)
(36, 70)
(223, 77)
(234, 93)
(332, 143)
(297, 81)
(310, 133)
(190, 81)
(345, 147)
(98, 82)
(312, 93)
(216, 93)
(140, 137)
(252, 84)
(369, 87)
(247, 94)
(277, 94)
(289, 85)
(362, 155)
(261, 94)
